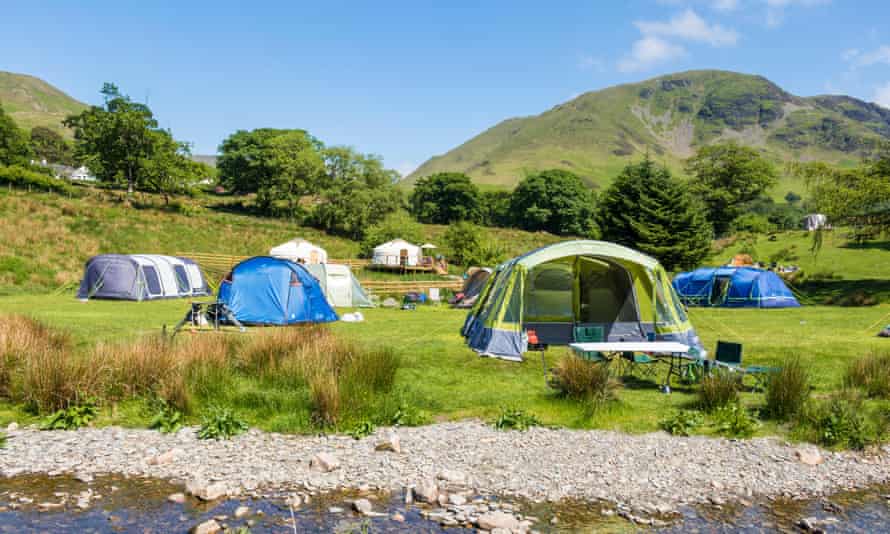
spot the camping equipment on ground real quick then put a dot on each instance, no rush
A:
(208, 314)
(274, 291)
(397, 252)
(141, 277)
(885, 332)
(472, 288)
(815, 221)
(729, 355)
(340, 286)
(734, 287)
(557, 288)
(300, 251)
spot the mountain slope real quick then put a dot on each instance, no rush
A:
(33, 102)
(597, 133)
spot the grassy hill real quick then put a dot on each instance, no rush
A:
(46, 238)
(597, 133)
(33, 102)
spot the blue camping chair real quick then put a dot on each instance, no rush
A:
(729, 355)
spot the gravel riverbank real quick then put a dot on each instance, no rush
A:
(653, 472)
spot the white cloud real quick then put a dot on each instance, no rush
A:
(649, 51)
(882, 95)
(775, 9)
(858, 58)
(689, 26)
(591, 63)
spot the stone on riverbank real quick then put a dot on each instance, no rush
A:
(493, 520)
(427, 492)
(206, 491)
(324, 462)
(207, 527)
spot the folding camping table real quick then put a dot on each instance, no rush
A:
(676, 352)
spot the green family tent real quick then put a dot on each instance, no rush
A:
(556, 289)
(340, 286)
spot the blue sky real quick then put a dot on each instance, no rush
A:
(408, 80)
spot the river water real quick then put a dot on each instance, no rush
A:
(140, 505)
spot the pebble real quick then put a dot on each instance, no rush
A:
(207, 527)
(241, 512)
(177, 498)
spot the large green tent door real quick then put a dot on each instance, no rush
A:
(606, 293)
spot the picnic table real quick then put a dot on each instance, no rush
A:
(675, 353)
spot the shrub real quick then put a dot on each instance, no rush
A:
(167, 420)
(719, 389)
(362, 430)
(682, 423)
(221, 423)
(409, 415)
(788, 389)
(512, 418)
(734, 420)
(580, 379)
(72, 417)
(22, 338)
(839, 421)
(23, 178)
(324, 394)
(856, 299)
(871, 373)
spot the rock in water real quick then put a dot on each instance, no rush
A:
(241, 511)
(178, 498)
(205, 491)
(363, 506)
(207, 527)
(324, 462)
(493, 520)
(427, 491)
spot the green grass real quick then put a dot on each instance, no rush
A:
(442, 377)
(33, 102)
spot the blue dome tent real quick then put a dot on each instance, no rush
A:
(274, 291)
(734, 287)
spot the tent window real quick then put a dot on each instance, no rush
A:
(719, 289)
(152, 280)
(182, 279)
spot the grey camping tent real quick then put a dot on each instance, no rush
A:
(472, 288)
(141, 277)
(339, 285)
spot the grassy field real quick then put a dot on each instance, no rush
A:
(441, 376)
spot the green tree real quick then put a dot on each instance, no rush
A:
(297, 166)
(444, 198)
(350, 209)
(168, 170)
(115, 139)
(496, 208)
(345, 165)
(14, 147)
(726, 177)
(396, 225)
(468, 245)
(792, 198)
(647, 209)
(555, 201)
(49, 145)
(244, 162)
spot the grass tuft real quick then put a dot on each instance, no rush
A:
(718, 389)
(788, 390)
(871, 373)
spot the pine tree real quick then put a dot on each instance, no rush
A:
(645, 208)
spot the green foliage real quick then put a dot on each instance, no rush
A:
(734, 420)
(683, 422)
(646, 209)
(121, 142)
(221, 423)
(780, 216)
(842, 421)
(396, 225)
(345, 166)
(26, 178)
(72, 417)
(3, 438)
(751, 222)
(718, 389)
(513, 418)
(14, 147)
(792, 198)
(49, 145)
(495, 207)
(468, 246)
(167, 420)
(592, 383)
(727, 176)
(784, 255)
(554, 201)
(788, 389)
(362, 430)
(356, 211)
(870, 373)
(409, 415)
(444, 198)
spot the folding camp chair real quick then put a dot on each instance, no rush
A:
(588, 334)
(729, 355)
(634, 362)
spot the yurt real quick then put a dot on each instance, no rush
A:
(300, 251)
(575, 287)
(340, 286)
(274, 291)
(141, 277)
(734, 287)
(397, 252)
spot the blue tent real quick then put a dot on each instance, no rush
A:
(734, 287)
(264, 290)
